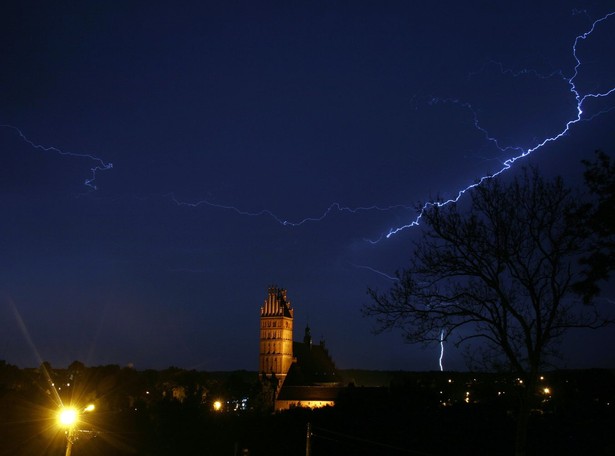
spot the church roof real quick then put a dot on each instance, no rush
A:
(313, 366)
(312, 376)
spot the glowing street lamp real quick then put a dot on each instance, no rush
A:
(68, 417)
(89, 408)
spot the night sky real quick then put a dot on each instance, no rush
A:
(264, 143)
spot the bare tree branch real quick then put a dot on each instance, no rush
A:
(500, 273)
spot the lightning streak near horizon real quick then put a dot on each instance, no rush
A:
(89, 182)
(441, 359)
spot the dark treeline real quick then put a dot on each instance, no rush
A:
(176, 411)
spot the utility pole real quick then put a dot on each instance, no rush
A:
(308, 440)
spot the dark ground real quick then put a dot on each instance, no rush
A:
(407, 417)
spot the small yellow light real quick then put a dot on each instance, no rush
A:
(217, 406)
(547, 390)
(89, 408)
(67, 417)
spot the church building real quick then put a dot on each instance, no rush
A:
(304, 374)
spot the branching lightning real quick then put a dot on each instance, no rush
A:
(514, 152)
(517, 152)
(101, 165)
(524, 71)
(334, 207)
(520, 151)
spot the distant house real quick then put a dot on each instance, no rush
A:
(304, 374)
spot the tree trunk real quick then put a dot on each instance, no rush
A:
(523, 418)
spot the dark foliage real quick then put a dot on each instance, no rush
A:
(600, 216)
(415, 414)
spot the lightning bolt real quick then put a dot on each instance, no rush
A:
(383, 274)
(520, 151)
(441, 359)
(515, 152)
(334, 207)
(99, 166)
(524, 71)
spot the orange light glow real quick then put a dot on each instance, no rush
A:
(67, 417)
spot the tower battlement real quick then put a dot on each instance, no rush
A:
(276, 304)
(276, 334)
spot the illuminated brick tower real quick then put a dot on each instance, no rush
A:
(276, 338)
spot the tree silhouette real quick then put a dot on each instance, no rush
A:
(500, 272)
(599, 213)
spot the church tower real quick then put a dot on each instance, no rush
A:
(276, 338)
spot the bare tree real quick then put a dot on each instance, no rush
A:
(499, 271)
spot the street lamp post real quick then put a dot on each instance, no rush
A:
(68, 417)
(70, 438)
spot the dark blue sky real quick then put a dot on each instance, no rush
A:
(262, 112)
